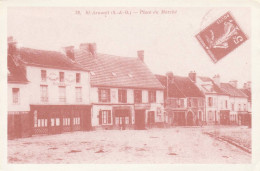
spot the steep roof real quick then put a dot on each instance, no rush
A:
(51, 59)
(180, 87)
(116, 71)
(247, 92)
(173, 90)
(16, 73)
(187, 87)
(232, 91)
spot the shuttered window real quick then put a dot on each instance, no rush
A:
(104, 95)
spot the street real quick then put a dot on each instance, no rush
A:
(156, 146)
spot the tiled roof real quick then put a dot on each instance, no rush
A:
(15, 73)
(173, 90)
(181, 87)
(114, 71)
(187, 87)
(247, 92)
(46, 58)
(232, 91)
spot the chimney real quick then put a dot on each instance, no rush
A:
(69, 51)
(247, 85)
(170, 77)
(93, 48)
(233, 83)
(90, 48)
(140, 55)
(216, 79)
(192, 76)
(12, 45)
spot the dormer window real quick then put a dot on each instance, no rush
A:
(114, 74)
(92, 73)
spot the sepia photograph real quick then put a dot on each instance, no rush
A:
(129, 85)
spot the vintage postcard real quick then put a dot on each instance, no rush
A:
(162, 85)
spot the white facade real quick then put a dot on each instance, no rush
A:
(238, 104)
(156, 107)
(53, 83)
(23, 98)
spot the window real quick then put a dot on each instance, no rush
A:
(138, 96)
(61, 76)
(104, 95)
(122, 96)
(233, 107)
(16, 95)
(66, 121)
(244, 107)
(43, 75)
(62, 92)
(78, 94)
(104, 117)
(152, 96)
(239, 107)
(44, 93)
(210, 101)
(76, 121)
(77, 77)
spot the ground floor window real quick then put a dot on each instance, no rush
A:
(41, 123)
(121, 120)
(105, 117)
(76, 121)
(66, 121)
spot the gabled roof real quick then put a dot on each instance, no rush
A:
(15, 73)
(173, 90)
(232, 91)
(49, 59)
(247, 92)
(180, 87)
(116, 71)
(187, 87)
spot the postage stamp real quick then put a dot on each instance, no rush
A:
(221, 37)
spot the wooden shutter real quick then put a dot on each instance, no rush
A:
(99, 95)
(100, 117)
(109, 116)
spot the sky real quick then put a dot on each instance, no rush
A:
(168, 39)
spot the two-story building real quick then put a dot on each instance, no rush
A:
(216, 100)
(57, 91)
(18, 108)
(184, 102)
(124, 92)
(238, 102)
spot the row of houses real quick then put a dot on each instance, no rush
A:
(79, 89)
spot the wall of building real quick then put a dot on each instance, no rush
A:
(23, 104)
(52, 81)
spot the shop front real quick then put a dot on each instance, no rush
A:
(55, 119)
(122, 117)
